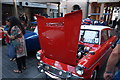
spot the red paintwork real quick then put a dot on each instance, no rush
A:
(1, 34)
(89, 61)
(59, 36)
(4, 36)
(59, 46)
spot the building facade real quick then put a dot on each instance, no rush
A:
(108, 9)
(30, 8)
(67, 6)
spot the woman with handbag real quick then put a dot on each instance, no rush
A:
(6, 28)
(17, 43)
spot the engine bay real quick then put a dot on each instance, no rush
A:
(82, 50)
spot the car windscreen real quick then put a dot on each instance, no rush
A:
(89, 36)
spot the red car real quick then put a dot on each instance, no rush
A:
(66, 53)
(1, 34)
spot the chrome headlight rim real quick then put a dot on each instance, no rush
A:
(79, 70)
(38, 55)
(87, 49)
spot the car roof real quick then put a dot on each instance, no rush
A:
(94, 27)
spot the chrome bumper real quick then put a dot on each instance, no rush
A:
(56, 73)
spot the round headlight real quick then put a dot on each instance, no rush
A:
(79, 54)
(87, 49)
(79, 70)
(38, 55)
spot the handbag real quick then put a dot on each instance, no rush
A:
(11, 51)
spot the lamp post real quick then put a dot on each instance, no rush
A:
(87, 8)
(15, 8)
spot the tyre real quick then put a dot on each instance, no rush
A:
(94, 75)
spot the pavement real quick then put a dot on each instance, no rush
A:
(30, 73)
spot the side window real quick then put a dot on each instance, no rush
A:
(81, 35)
(110, 33)
(104, 36)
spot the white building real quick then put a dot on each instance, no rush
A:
(67, 6)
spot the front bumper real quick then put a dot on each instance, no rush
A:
(56, 73)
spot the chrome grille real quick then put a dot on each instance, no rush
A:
(56, 72)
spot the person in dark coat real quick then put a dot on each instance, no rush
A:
(114, 23)
(102, 22)
(118, 25)
(24, 18)
(75, 8)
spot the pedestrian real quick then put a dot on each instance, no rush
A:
(102, 22)
(6, 28)
(45, 15)
(113, 60)
(114, 23)
(87, 21)
(118, 25)
(16, 35)
(24, 20)
(75, 8)
(5, 38)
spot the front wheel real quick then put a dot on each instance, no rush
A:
(94, 75)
